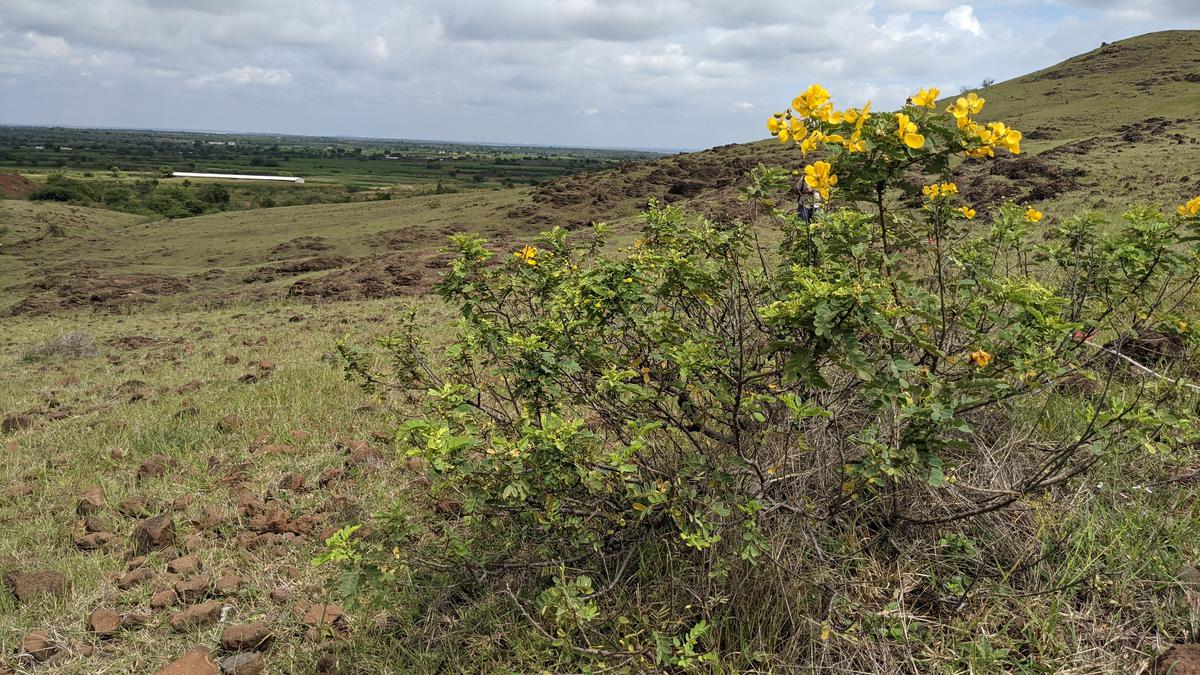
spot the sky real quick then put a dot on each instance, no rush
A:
(602, 73)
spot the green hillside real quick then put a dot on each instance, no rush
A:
(1120, 123)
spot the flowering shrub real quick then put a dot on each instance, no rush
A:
(657, 454)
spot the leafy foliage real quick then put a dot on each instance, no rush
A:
(622, 441)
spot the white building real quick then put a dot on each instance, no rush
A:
(238, 176)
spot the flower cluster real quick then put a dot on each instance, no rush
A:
(993, 135)
(527, 255)
(939, 190)
(813, 120)
(1191, 209)
(1033, 215)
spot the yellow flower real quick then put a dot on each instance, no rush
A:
(855, 143)
(967, 212)
(797, 129)
(971, 104)
(812, 100)
(773, 125)
(811, 142)
(931, 191)
(1191, 209)
(1005, 136)
(980, 358)
(907, 131)
(1182, 326)
(628, 280)
(926, 98)
(949, 189)
(1033, 215)
(817, 176)
(974, 103)
(528, 255)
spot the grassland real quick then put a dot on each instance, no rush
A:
(184, 312)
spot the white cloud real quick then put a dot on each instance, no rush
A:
(963, 18)
(743, 105)
(380, 48)
(243, 76)
(47, 46)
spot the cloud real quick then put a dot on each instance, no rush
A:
(243, 76)
(963, 18)
(686, 73)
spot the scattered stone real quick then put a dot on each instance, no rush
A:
(103, 622)
(246, 637)
(91, 501)
(300, 436)
(68, 380)
(266, 365)
(243, 664)
(181, 503)
(1179, 660)
(229, 423)
(93, 524)
(16, 422)
(184, 566)
(117, 453)
(210, 519)
(135, 390)
(194, 385)
(135, 507)
(20, 490)
(37, 646)
(292, 481)
(327, 664)
(95, 540)
(276, 448)
(164, 598)
(135, 619)
(417, 465)
(135, 562)
(228, 583)
(248, 378)
(1189, 575)
(154, 467)
(244, 496)
(281, 596)
(196, 662)
(232, 360)
(330, 476)
(193, 542)
(260, 440)
(84, 650)
(320, 616)
(362, 453)
(196, 588)
(204, 614)
(28, 586)
(153, 534)
(138, 576)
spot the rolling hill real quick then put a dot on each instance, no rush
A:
(1115, 125)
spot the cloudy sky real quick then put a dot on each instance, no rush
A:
(614, 73)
